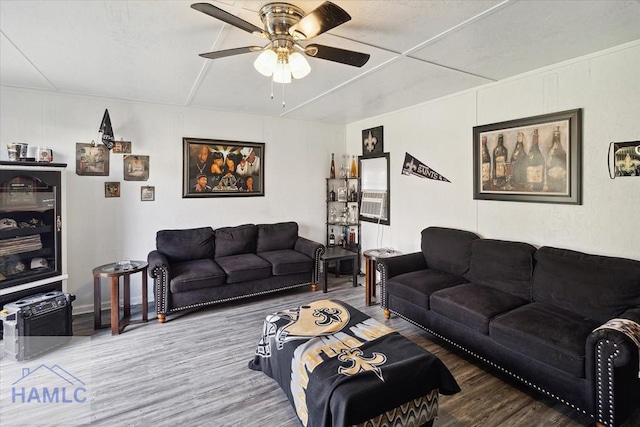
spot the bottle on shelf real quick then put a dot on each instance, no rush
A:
(332, 172)
(354, 167)
(499, 163)
(518, 163)
(557, 164)
(353, 195)
(486, 165)
(332, 195)
(352, 236)
(332, 238)
(535, 165)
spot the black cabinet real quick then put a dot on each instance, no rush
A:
(31, 221)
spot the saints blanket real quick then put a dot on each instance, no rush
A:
(340, 367)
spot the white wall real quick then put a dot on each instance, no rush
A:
(101, 230)
(605, 85)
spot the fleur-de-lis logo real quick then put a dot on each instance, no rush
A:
(359, 363)
(329, 316)
(370, 142)
(410, 168)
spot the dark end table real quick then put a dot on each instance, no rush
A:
(339, 254)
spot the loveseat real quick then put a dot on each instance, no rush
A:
(561, 321)
(202, 266)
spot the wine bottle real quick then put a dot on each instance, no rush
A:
(557, 164)
(499, 167)
(354, 167)
(332, 238)
(535, 165)
(486, 165)
(332, 195)
(353, 196)
(518, 164)
(332, 172)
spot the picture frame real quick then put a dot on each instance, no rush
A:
(92, 159)
(111, 189)
(122, 147)
(536, 159)
(372, 142)
(147, 193)
(222, 168)
(135, 167)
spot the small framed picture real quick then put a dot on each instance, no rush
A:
(92, 159)
(343, 194)
(111, 189)
(147, 193)
(122, 147)
(136, 168)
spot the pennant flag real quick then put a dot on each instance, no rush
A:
(107, 131)
(413, 166)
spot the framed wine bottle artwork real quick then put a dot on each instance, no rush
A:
(535, 159)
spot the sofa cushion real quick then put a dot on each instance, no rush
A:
(244, 267)
(195, 274)
(417, 286)
(273, 237)
(473, 305)
(287, 261)
(183, 245)
(447, 249)
(235, 240)
(502, 265)
(546, 333)
(597, 287)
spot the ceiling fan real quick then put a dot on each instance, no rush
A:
(285, 26)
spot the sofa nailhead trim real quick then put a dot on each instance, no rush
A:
(576, 408)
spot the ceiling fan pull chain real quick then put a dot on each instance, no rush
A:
(283, 103)
(272, 88)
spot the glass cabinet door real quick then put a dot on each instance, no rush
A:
(30, 226)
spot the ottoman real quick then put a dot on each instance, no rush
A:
(340, 367)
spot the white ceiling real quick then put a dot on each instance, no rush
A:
(420, 50)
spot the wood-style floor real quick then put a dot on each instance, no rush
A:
(192, 370)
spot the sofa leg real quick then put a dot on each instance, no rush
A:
(314, 287)
(387, 313)
(162, 317)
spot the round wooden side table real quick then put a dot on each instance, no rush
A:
(371, 258)
(114, 271)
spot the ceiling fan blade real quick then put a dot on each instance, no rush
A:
(230, 52)
(321, 19)
(349, 57)
(230, 19)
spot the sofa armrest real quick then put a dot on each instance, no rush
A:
(309, 247)
(314, 250)
(613, 366)
(160, 271)
(393, 266)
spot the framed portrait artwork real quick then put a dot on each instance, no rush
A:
(147, 193)
(220, 168)
(536, 159)
(111, 189)
(92, 159)
(122, 146)
(135, 167)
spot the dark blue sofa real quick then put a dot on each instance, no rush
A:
(202, 266)
(563, 322)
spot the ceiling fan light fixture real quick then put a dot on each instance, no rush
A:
(282, 73)
(300, 67)
(266, 62)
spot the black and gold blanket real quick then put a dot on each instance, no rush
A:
(340, 367)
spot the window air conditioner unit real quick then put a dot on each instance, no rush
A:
(372, 205)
